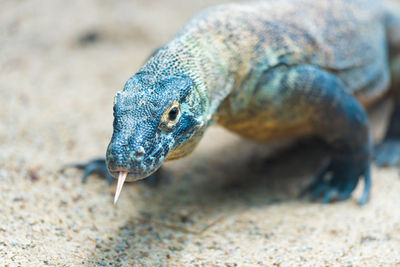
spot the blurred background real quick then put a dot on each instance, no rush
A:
(231, 203)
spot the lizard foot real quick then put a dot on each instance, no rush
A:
(337, 180)
(99, 166)
(388, 153)
(94, 166)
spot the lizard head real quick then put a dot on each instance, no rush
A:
(155, 119)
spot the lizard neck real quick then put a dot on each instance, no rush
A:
(208, 67)
(197, 59)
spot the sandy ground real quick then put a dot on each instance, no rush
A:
(228, 204)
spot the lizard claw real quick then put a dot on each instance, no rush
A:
(94, 166)
(342, 182)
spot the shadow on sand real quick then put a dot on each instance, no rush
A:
(204, 190)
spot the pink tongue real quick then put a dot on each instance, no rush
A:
(121, 180)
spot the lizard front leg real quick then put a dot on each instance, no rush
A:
(321, 100)
(388, 152)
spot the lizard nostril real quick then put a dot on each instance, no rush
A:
(139, 152)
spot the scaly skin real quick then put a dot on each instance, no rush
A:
(264, 70)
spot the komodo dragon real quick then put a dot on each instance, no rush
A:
(266, 70)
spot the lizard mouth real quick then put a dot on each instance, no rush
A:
(129, 176)
(134, 176)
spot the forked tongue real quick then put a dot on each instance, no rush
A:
(121, 180)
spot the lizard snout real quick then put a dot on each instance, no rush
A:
(132, 160)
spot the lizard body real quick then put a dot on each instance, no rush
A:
(265, 70)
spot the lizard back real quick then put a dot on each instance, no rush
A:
(228, 48)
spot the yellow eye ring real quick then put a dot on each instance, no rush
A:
(171, 115)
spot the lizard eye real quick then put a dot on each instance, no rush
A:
(171, 115)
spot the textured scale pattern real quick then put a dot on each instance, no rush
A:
(265, 70)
